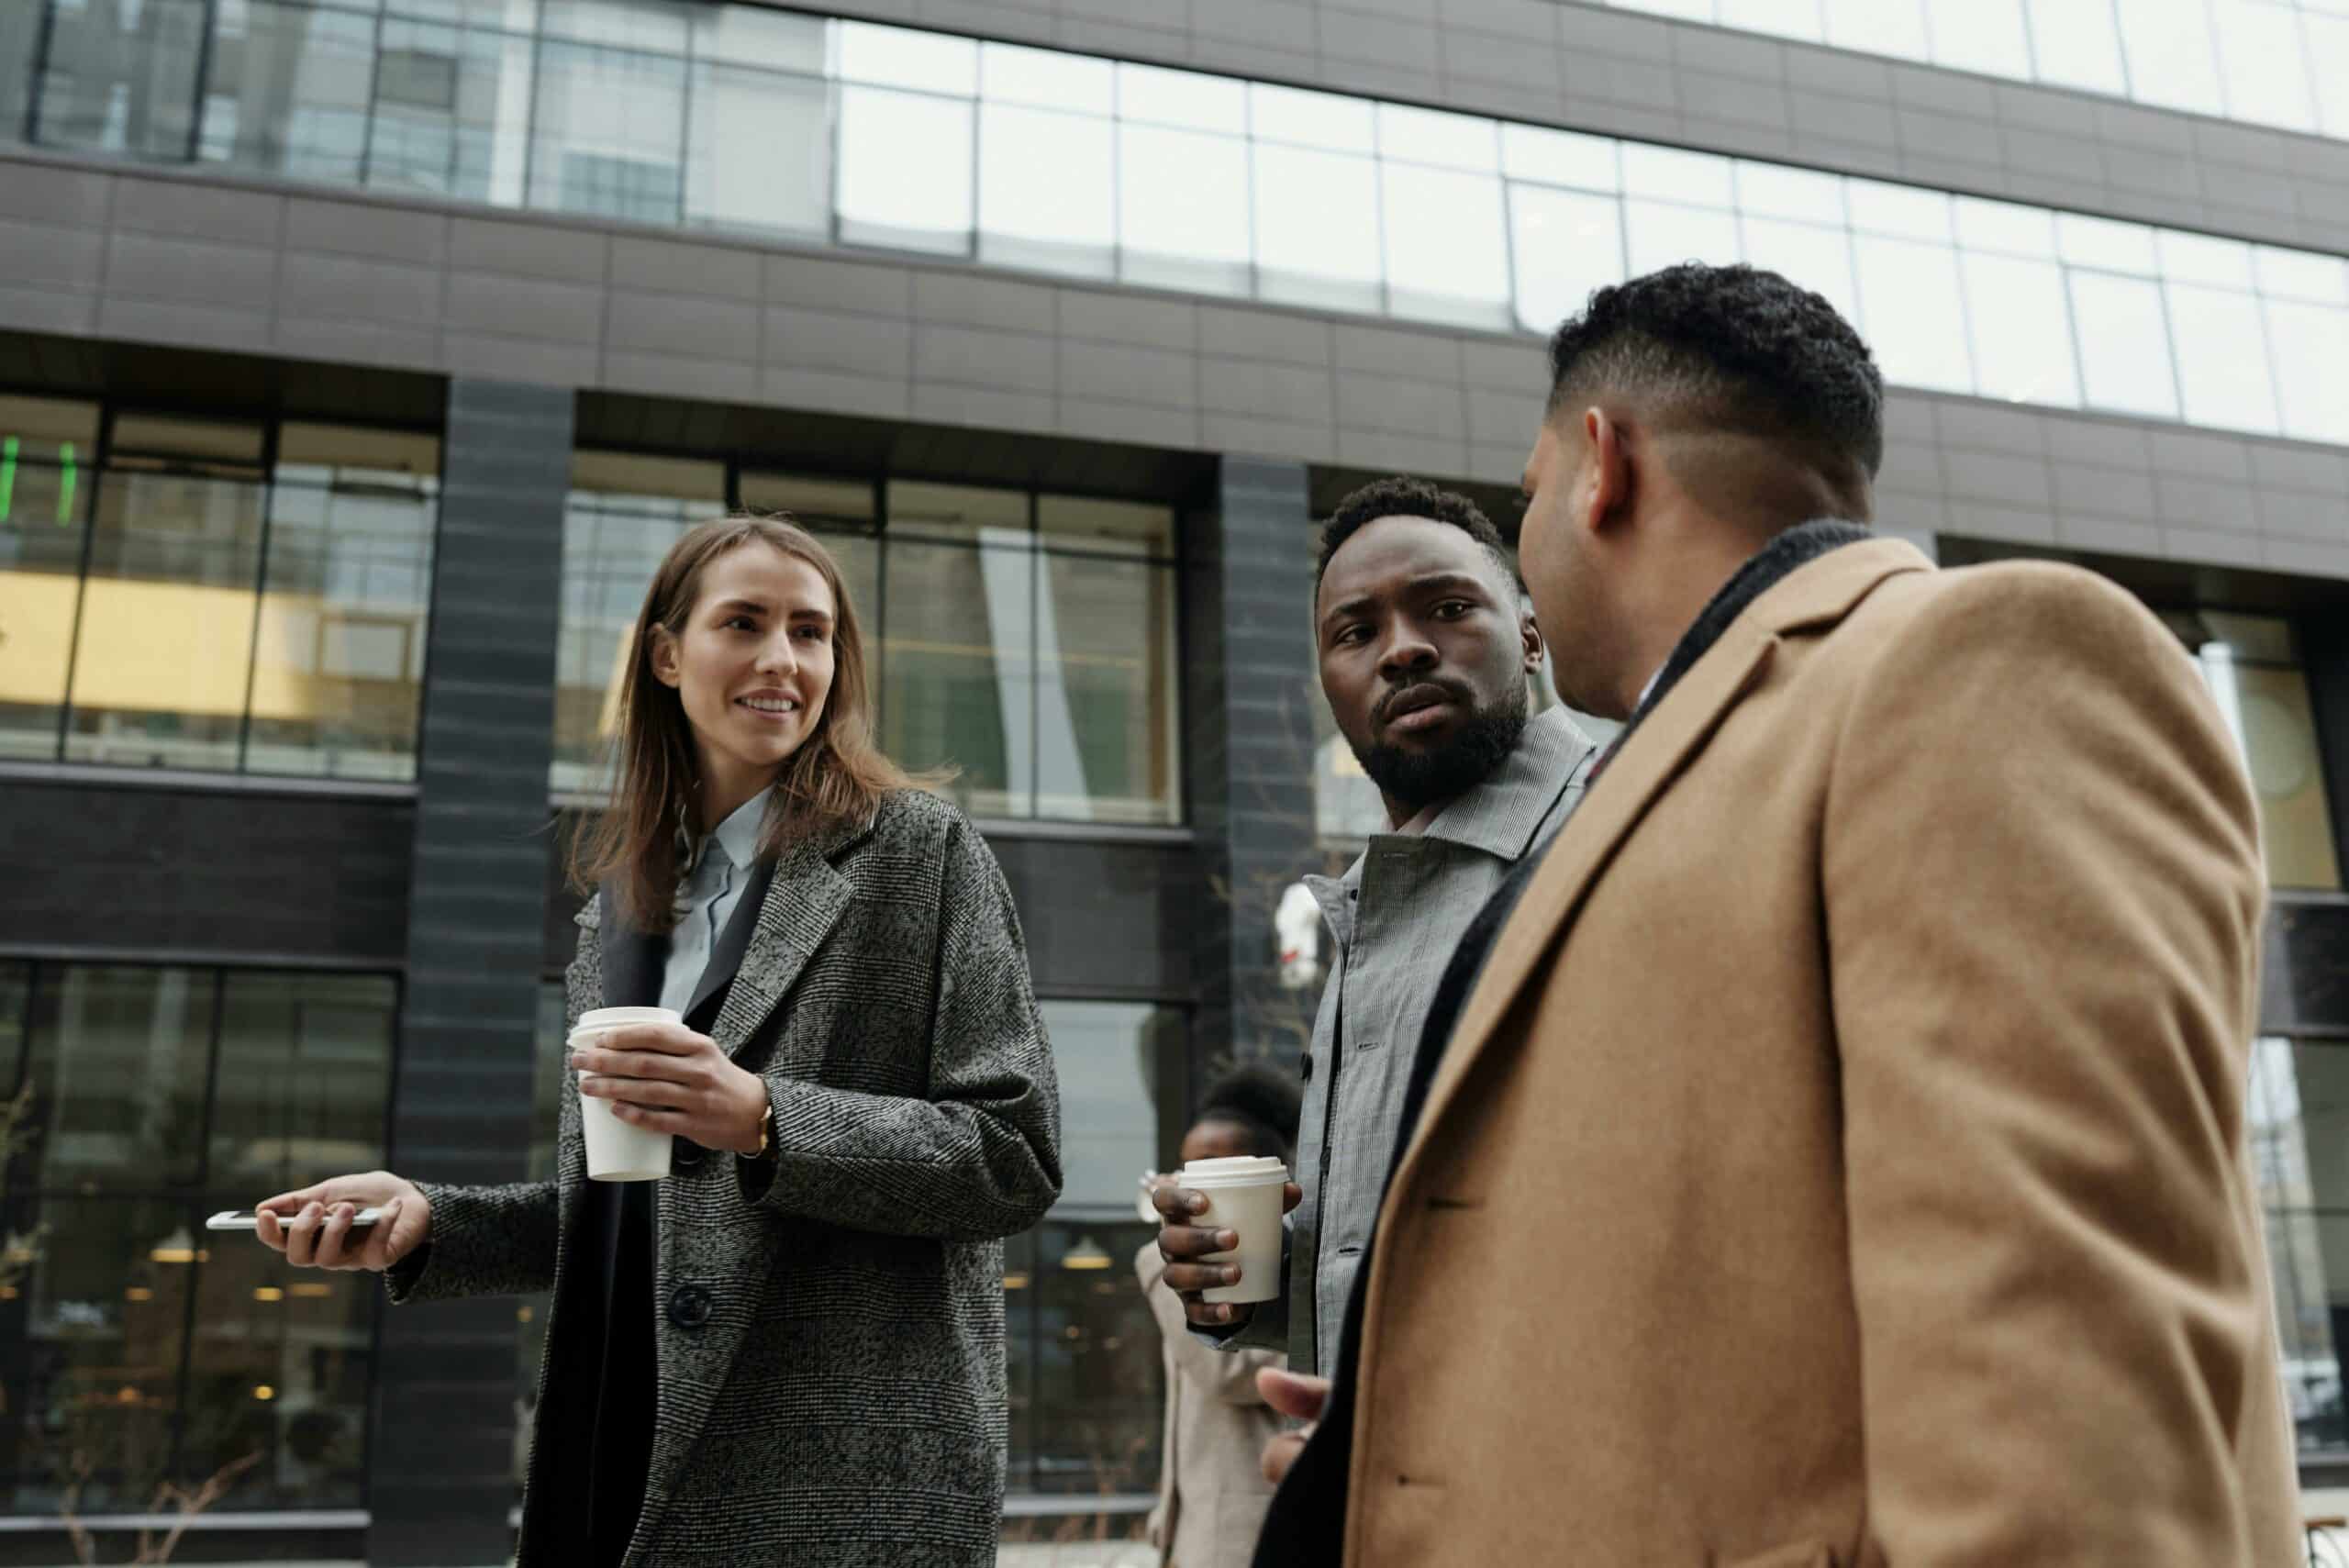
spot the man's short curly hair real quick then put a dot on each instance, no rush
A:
(1741, 348)
(1401, 498)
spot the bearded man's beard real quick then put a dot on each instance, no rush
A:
(1420, 778)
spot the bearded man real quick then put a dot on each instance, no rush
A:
(1426, 645)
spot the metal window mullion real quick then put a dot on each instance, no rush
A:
(1035, 659)
(374, 102)
(203, 81)
(102, 451)
(43, 38)
(187, 1211)
(260, 594)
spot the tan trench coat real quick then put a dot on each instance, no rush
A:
(1841, 1158)
(1211, 1488)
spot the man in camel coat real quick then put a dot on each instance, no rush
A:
(1831, 1152)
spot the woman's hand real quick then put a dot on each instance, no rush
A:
(312, 1226)
(665, 1078)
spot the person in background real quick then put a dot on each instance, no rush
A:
(1425, 645)
(791, 1349)
(1211, 1487)
(1831, 1150)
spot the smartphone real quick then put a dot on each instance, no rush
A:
(245, 1219)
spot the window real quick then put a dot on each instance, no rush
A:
(2253, 666)
(1023, 644)
(1083, 1352)
(741, 117)
(2298, 1112)
(127, 1334)
(215, 593)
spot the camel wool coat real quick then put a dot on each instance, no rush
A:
(1841, 1160)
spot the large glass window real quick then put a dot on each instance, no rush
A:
(2297, 1113)
(135, 1347)
(737, 117)
(1083, 1356)
(2253, 666)
(1022, 645)
(212, 593)
(2272, 62)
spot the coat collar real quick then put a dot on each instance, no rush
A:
(1500, 816)
(1649, 759)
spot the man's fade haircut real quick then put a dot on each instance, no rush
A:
(1737, 349)
(1261, 1101)
(1402, 497)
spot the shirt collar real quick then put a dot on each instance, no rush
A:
(1502, 814)
(738, 836)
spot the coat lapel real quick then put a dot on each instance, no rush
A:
(1656, 754)
(791, 908)
(632, 960)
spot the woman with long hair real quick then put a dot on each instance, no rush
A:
(792, 1348)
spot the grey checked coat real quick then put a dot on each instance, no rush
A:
(830, 1327)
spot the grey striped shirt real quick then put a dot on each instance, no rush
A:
(1395, 914)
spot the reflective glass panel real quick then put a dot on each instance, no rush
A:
(958, 686)
(1048, 190)
(2297, 1117)
(1299, 118)
(286, 89)
(1895, 27)
(303, 1082)
(2328, 37)
(277, 1372)
(45, 493)
(1317, 228)
(1819, 258)
(2266, 703)
(1989, 36)
(905, 171)
(2311, 347)
(338, 655)
(624, 513)
(1151, 95)
(900, 57)
(164, 648)
(2172, 61)
(451, 112)
(1105, 719)
(1788, 18)
(118, 1065)
(1047, 79)
(1447, 249)
(608, 136)
(121, 78)
(2124, 346)
(2022, 333)
(2221, 359)
(96, 1320)
(2074, 44)
(1912, 309)
(760, 150)
(1662, 234)
(1567, 244)
(1559, 157)
(1183, 218)
(2265, 63)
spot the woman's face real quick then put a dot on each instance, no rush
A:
(753, 665)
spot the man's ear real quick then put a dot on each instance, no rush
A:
(666, 667)
(1529, 633)
(1609, 479)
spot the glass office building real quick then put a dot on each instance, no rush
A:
(359, 358)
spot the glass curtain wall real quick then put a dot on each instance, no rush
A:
(2298, 1114)
(1021, 644)
(2253, 666)
(212, 593)
(135, 1349)
(846, 133)
(2276, 62)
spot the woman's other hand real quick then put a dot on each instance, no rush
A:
(665, 1078)
(313, 1226)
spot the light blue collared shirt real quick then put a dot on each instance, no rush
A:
(721, 869)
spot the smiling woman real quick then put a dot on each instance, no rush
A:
(849, 1057)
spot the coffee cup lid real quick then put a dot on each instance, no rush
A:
(616, 1017)
(1237, 1168)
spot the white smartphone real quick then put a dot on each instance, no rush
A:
(245, 1219)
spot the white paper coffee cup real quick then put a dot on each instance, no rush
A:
(615, 1151)
(1243, 1195)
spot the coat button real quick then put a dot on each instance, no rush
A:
(687, 1154)
(689, 1306)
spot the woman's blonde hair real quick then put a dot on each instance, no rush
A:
(836, 777)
